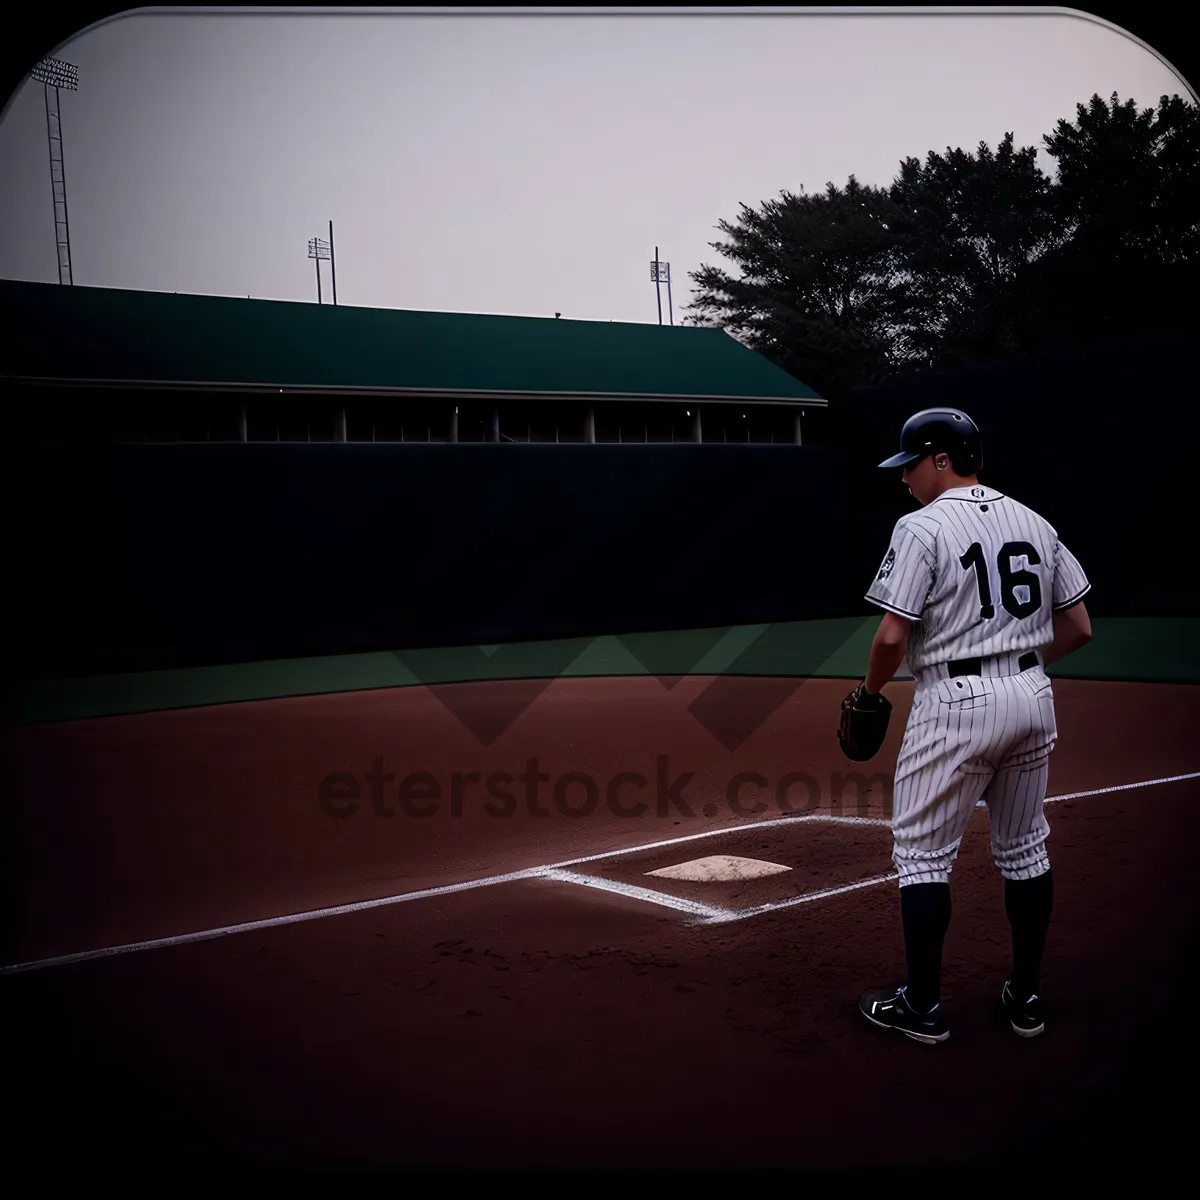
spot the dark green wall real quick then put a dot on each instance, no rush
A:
(141, 557)
(146, 557)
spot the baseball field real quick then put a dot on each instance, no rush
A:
(403, 911)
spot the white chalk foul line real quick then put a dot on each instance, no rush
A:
(1121, 787)
(803, 898)
(206, 935)
(708, 833)
(706, 912)
(513, 876)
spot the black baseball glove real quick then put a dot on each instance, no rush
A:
(864, 723)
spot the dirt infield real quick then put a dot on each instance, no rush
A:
(548, 1019)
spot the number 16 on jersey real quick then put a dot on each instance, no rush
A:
(1009, 580)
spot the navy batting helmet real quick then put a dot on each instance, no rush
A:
(940, 431)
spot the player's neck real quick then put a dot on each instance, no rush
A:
(953, 481)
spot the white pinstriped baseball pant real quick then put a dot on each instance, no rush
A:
(974, 737)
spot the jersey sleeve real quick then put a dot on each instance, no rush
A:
(1070, 583)
(905, 577)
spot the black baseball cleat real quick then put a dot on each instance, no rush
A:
(889, 1009)
(1025, 1016)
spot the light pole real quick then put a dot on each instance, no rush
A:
(660, 273)
(54, 75)
(332, 263)
(319, 248)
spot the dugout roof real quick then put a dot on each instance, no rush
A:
(113, 337)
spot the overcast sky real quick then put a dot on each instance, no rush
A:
(508, 164)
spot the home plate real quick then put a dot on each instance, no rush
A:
(720, 868)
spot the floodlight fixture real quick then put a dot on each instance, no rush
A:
(53, 72)
(319, 250)
(660, 273)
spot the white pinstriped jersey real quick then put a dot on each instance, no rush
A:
(979, 574)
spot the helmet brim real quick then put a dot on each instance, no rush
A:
(903, 459)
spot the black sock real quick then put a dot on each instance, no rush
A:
(925, 911)
(1028, 903)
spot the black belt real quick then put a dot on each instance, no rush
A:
(974, 666)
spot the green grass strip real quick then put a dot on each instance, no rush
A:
(1161, 650)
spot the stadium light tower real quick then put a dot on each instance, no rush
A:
(660, 273)
(55, 75)
(318, 249)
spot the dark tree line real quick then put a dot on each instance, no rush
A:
(972, 257)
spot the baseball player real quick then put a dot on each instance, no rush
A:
(979, 596)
